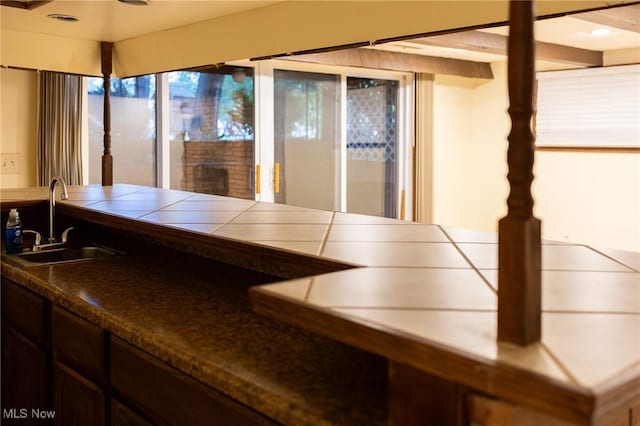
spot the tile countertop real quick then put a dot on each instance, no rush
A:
(425, 292)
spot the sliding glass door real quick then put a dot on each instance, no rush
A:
(306, 139)
(372, 146)
(340, 138)
(309, 135)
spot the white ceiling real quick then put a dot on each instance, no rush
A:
(567, 30)
(110, 20)
(579, 33)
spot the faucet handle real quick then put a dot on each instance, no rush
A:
(65, 234)
(36, 233)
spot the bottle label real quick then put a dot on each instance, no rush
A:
(13, 240)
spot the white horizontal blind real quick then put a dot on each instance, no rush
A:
(589, 107)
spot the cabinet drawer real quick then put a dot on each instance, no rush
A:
(166, 395)
(25, 311)
(79, 344)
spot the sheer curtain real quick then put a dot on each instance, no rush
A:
(59, 127)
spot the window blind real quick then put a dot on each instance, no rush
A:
(589, 107)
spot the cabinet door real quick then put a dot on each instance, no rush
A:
(25, 311)
(78, 402)
(168, 396)
(79, 344)
(24, 376)
(121, 415)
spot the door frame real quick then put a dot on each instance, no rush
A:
(264, 126)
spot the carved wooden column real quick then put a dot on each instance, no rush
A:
(519, 257)
(107, 160)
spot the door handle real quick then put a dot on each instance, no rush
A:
(276, 178)
(257, 178)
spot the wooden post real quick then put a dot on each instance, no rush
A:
(519, 249)
(417, 398)
(107, 160)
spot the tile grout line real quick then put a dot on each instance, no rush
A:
(494, 290)
(559, 363)
(412, 308)
(325, 237)
(568, 312)
(308, 292)
(154, 210)
(613, 258)
(232, 219)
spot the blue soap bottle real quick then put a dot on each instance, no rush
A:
(13, 233)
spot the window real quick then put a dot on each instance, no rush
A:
(133, 129)
(594, 107)
(316, 136)
(211, 126)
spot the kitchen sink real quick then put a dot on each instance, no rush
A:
(64, 255)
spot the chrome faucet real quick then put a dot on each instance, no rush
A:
(52, 204)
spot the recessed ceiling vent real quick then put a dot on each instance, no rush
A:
(136, 2)
(63, 17)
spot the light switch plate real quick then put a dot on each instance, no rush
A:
(9, 163)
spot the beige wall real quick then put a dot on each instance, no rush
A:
(622, 56)
(287, 26)
(468, 173)
(292, 26)
(48, 52)
(18, 94)
(591, 198)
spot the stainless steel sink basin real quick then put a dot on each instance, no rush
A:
(65, 254)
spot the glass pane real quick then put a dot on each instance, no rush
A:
(307, 138)
(212, 131)
(372, 146)
(133, 129)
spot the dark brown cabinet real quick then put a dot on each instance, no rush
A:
(78, 401)
(25, 357)
(25, 378)
(52, 359)
(79, 344)
(168, 396)
(121, 415)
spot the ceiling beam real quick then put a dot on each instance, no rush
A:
(370, 58)
(623, 18)
(478, 41)
(28, 5)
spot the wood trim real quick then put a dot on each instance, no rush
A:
(591, 149)
(106, 51)
(27, 5)
(519, 240)
(563, 400)
(624, 17)
(485, 411)
(609, 404)
(370, 58)
(415, 396)
(478, 41)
